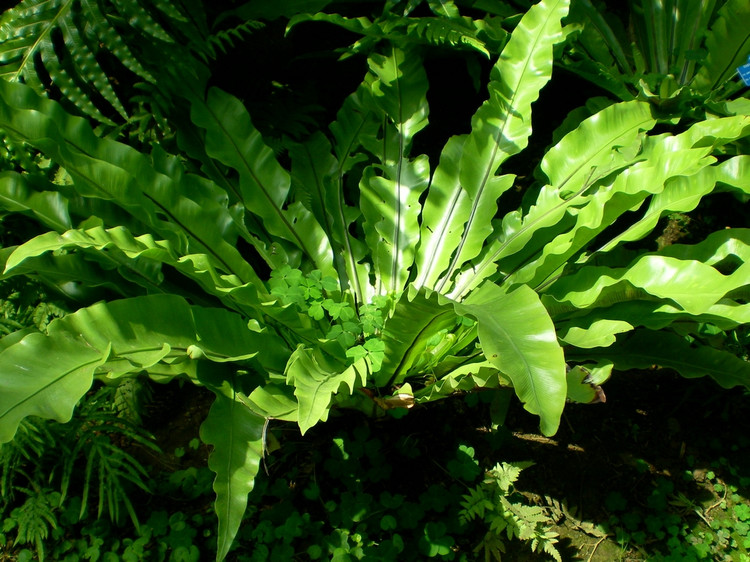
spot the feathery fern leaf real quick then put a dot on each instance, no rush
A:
(483, 35)
(61, 43)
(29, 33)
(35, 517)
(221, 41)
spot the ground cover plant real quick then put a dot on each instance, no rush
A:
(632, 480)
(348, 272)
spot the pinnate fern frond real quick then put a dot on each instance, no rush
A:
(523, 520)
(504, 475)
(61, 42)
(494, 503)
(545, 542)
(110, 471)
(474, 505)
(35, 517)
(225, 39)
(483, 35)
(28, 34)
(29, 446)
(444, 32)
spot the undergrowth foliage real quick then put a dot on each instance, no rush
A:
(48, 463)
(394, 280)
(492, 502)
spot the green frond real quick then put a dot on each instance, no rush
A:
(100, 28)
(32, 442)
(35, 518)
(28, 35)
(140, 18)
(222, 41)
(445, 8)
(442, 32)
(130, 398)
(504, 475)
(545, 541)
(474, 505)
(484, 35)
(97, 437)
(61, 43)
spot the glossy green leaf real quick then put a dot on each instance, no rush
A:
(600, 326)
(673, 170)
(517, 336)
(643, 349)
(680, 194)
(236, 434)
(44, 376)
(71, 275)
(599, 333)
(606, 141)
(735, 173)
(500, 129)
(232, 139)
(390, 191)
(724, 252)
(313, 176)
(445, 8)
(49, 207)
(273, 401)
(117, 248)
(466, 378)
(443, 216)
(104, 169)
(113, 339)
(137, 259)
(316, 379)
(583, 381)
(692, 285)
(356, 121)
(407, 334)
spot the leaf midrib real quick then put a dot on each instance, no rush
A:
(41, 38)
(496, 147)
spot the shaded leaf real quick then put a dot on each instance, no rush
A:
(643, 349)
(236, 434)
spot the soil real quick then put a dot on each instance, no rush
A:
(654, 424)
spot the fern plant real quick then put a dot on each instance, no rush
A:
(105, 58)
(65, 37)
(24, 459)
(47, 463)
(447, 28)
(677, 54)
(33, 520)
(110, 474)
(495, 503)
(353, 272)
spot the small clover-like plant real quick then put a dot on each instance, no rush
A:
(317, 296)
